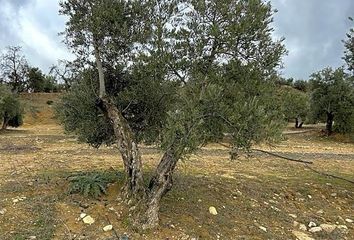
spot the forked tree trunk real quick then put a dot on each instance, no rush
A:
(5, 123)
(329, 123)
(159, 185)
(134, 186)
(134, 189)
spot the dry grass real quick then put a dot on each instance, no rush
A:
(248, 193)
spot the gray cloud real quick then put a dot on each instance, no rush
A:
(34, 25)
(314, 30)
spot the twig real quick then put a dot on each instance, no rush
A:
(114, 230)
(279, 156)
(329, 175)
(307, 165)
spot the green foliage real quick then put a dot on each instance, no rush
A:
(294, 103)
(301, 85)
(333, 93)
(181, 74)
(349, 49)
(35, 80)
(92, 184)
(11, 109)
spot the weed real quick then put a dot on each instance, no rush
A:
(92, 184)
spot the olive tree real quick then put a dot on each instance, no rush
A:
(295, 104)
(177, 74)
(11, 110)
(332, 99)
(349, 49)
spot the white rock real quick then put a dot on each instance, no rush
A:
(302, 236)
(293, 215)
(3, 211)
(315, 229)
(303, 227)
(328, 227)
(309, 196)
(312, 224)
(32, 237)
(320, 211)
(262, 228)
(212, 210)
(295, 224)
(82, 215)
(108, 228)
(334, 194)
(349, 220)
(88, 220)
(15, 200)
(342, 228)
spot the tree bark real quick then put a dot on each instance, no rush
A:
(102, 88)
(298, 122)
(159, 185)
(133, 189)
(329, 123)
(5, 123)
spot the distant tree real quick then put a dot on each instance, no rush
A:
(281, 81)
(50, 84)
(332, 99)
(178, 75)
(35, 80)
(64, 73)
(349, 49)
(14, 68)
(301, 85)
(295, 105)
(11, 110)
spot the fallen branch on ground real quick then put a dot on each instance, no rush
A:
(283, 157)
(307, 165)
(329, 175)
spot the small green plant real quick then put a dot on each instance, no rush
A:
(92, 184)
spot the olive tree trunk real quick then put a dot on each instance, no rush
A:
(160, 183)
(298, 122)
(329, 123)
(5, 123)
(134, 187)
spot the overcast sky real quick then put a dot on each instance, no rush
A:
(313, 30)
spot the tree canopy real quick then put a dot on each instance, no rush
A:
(332, 99)
(178, 74)
(11, 110)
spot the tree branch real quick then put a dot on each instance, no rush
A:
(283, 157)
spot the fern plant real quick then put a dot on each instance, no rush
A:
(92, 184)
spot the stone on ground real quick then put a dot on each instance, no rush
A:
(302, 236)
(212, 210)
(108, 228)
(88, 220)
(328, 227)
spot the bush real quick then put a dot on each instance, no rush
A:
(11, 109)
(50, 102)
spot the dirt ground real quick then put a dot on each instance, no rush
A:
(256, 197)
